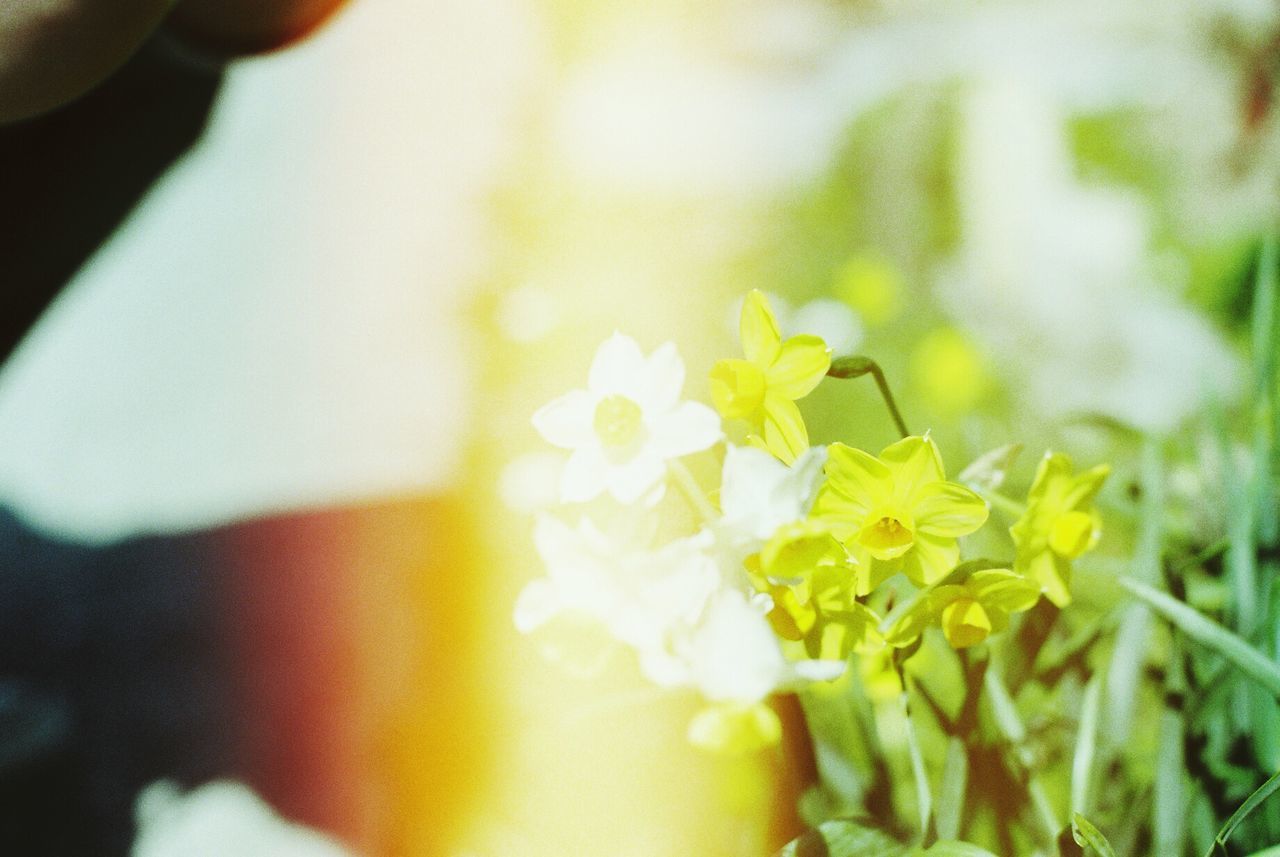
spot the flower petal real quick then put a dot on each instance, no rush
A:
(801, 364)
(758, 328)
(566, 421)
(784, 432)
(1053, 573)
(1004, 590)
(662, 379)
(859, 476)
(930, 559)
(583, 477)
(632, 479)
(949, 509)
(1086, 486)
(618, 366)
(838, 512)
(537, 604)
(690, 427)
(915, 462)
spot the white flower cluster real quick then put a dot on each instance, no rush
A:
(686, 607)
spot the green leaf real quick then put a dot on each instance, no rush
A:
(955, 774)
(957, 849)
(1251, 803)
(1086, 745)
(843, 838)
(1210, 634)
(1088, 835)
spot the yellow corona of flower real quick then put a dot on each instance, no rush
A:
(1059, 524)
(762, 388)
(967, 612)
(897, 511)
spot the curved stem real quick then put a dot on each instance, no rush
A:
(857, 366)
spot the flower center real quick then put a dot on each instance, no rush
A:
(886, 537)
(617, 421)
(737, 388)
(1071, 534)
(965, 623)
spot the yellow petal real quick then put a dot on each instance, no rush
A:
(784, 433)
(1072, 534)
(1053, 573)
(852, 630)
(862, 478)
(758, 328)
(930, 559)
(1053, 478)
(915, 462)
(801, 365)
(1086, 486)
(949, 509)
(1003, 590)
(737, 389)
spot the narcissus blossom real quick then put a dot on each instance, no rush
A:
(968, 612)
(627, 424)
(639, 597)
(762, 388)
(897, 511)
(1059, 524)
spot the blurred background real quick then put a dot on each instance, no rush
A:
(277, 325)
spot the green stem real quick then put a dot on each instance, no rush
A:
(692, 491)
(857, 366)
(1005, 504)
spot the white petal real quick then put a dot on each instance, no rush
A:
(584, 475)
(662, 381)
(618, 366)
(566, 422)
(631, 480)
(818, 670)
(537, 604)
(690, 427)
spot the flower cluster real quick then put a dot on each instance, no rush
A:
(800, 557)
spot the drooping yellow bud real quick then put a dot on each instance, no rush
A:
(965, 623)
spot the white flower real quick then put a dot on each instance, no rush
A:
(732, 655)
(627, 424)
(759, 494)
(217, 820)
(637, 595)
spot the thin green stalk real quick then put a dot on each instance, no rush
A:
(692, 491)
(1015, 735)
(855, 367)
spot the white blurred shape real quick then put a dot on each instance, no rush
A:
(278, 325)
(1056, 277)
(219, 820)
(527, 313)
(529, 483)
(832, 320)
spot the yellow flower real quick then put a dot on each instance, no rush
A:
(812, 580)
(897, 511)
(1059, 524)
(968, 612)
(762, 389)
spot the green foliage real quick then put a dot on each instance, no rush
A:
(849, 838)
(1089, 836)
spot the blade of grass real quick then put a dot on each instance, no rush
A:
(1210, 634)
(1087, 834)
(1169, 806)
(1086, 746)
(955, 775)
(1251, 803)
